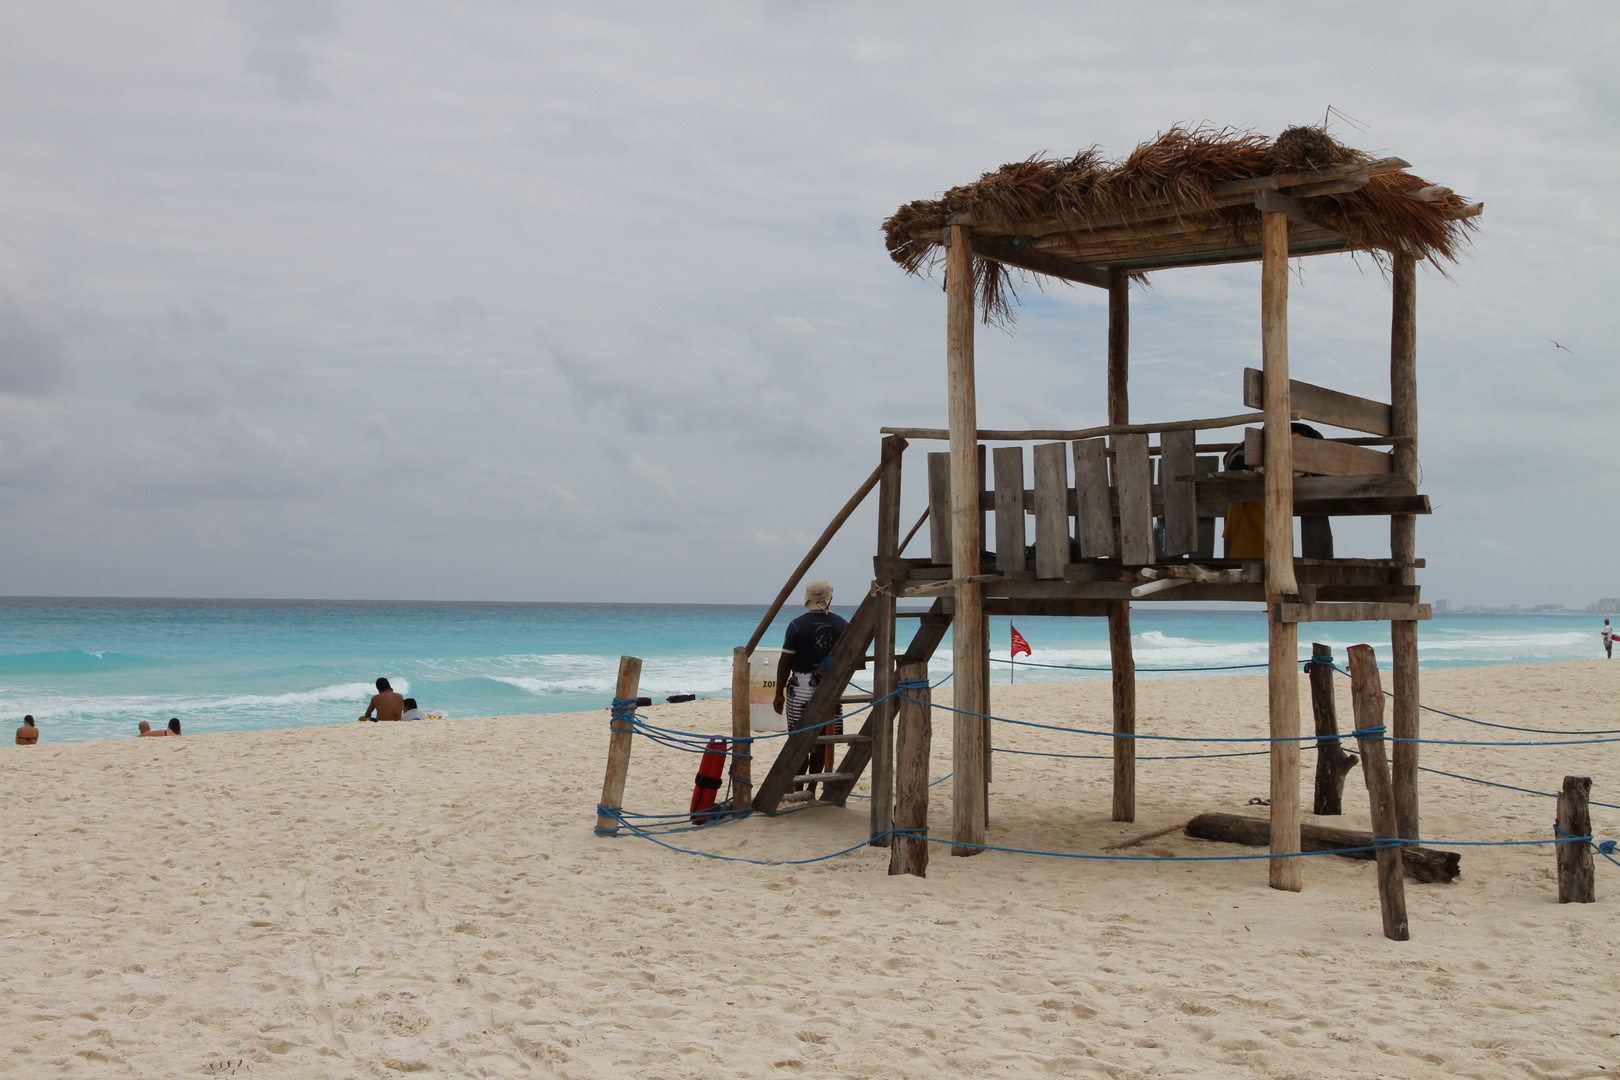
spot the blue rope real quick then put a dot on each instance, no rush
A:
(1119, 735)
(1078, 667)
(1110, 757)
(1483, 723)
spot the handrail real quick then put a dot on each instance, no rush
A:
(1086, 433)
(804, 564)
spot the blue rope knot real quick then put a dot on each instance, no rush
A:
(912, 684)
(624, 708)
(1368, 732)
(1607, 847)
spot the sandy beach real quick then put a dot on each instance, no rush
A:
(368, 900)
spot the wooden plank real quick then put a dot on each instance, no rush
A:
(968, 803)
(846, 658)
(621, 736)
(1367, 697)
(1205, 523)
(909, 854)
(1427, 865)
(1298, 613)
(742, 735)
(1403, 540)
(939, 508)
(1010, 535)
(1068, 435)
(1318, 403)
(1051, 607)
(1052, 509)
(1283, 638)
(1326, 458)
(1094, 512)
(1180, 499)
(1133, 476)
(1223, 488)
(1575, 879)
(1332, 760)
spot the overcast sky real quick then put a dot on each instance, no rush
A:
(510, 301)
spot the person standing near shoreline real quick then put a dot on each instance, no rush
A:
(28, 734)
(809, 641)
(1608, 640)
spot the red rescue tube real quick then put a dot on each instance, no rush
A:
(707, 787)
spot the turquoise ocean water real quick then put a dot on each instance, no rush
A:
(91, 669)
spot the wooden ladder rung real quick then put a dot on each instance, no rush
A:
(825, 739)
(855, 699)
(822, 777)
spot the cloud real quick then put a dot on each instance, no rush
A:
(281, 33)
(31, 351)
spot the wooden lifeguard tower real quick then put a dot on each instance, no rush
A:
(1112, 531)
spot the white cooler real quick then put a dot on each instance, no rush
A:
(762, 691)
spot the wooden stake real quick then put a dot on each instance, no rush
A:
(914, 740)
(618, 763)
(1576, 884)
(1367, 697)
(1282, 675)
(1119, 611)
(1332, 760)
(742, 745)
(968, 644)
(888, 548)
(1403, 539)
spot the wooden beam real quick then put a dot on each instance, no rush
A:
(1119, 351)
(742, 743)
(1267, 200)
(1367, 696)
(1040, 262)
(1325, 458)
(815, 551)
(1403, 411)
(1311, 176)
(881, 804)
(968, 802)
(1283, 639)
(1396, 613)
(1224, 487)
(986, 435)
(1318, 403)
(939, 508)
(1575, 878)
(1423, 864)
(620, 738)
(1010, 535)
(909, 854)
(1121, 658)
(1065, 608)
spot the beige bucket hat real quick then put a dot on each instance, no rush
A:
(818, 596)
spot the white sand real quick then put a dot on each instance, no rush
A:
(363, 900)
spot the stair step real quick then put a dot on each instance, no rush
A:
(855, 699)
(822, 777)
(824, 739)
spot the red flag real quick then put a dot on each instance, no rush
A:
(1019, 645)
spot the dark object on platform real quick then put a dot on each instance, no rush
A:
(676, 699)
(1423, 864)
(643, 702)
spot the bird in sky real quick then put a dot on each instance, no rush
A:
(1564, 347)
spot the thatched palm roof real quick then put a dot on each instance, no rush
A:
(1190, 197)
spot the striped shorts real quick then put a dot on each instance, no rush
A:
(801, 688)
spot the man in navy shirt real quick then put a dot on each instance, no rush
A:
(810, 640)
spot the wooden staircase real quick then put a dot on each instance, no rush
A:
(848, 657)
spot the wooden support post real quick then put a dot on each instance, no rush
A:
(968, 644)
(1403, 635)
(1367, 698)
(622, 732)
(1332, 760)
(742, 734)
(883, 679)
(1283, 672)
(909, 855)
(1576, 884)
(1119, 611)
(989, 753)
(1124, 665)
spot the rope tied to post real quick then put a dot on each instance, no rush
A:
(1368, 732)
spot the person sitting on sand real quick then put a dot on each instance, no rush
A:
(28, 734)
(174, 725)
(386, 703)
(143, 730)
(411, 711)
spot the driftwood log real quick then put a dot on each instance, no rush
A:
(1423, 864)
